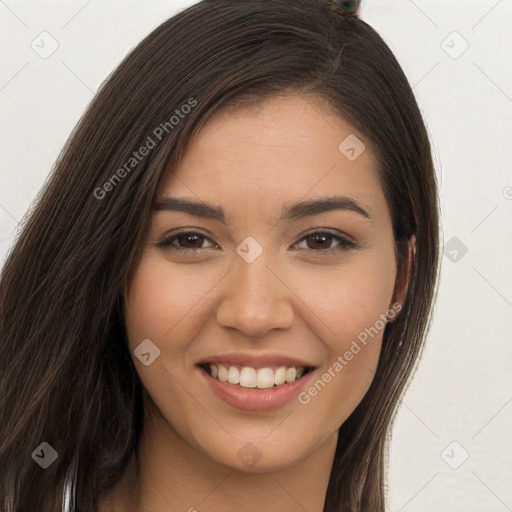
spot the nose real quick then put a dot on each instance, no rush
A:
(256, 299)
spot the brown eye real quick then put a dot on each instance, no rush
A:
(184, 242)
(322, 242)
(195, 240)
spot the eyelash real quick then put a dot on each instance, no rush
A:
(344, 243)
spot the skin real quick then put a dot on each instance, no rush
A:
(251, 162)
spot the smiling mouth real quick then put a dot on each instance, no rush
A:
(252, 378)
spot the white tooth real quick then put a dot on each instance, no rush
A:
(280, 376)
(291, 374)
(233, 375)
(222, 373)
(248, 377)
(300, 372)
(265, 378)
(213, 369)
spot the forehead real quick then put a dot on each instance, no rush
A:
(281, 149)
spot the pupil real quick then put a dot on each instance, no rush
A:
(196, 239)
(324, 237)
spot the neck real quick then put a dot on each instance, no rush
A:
(168, 474)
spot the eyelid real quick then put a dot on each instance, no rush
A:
(328, 231)
(168, 239)
(345, 242)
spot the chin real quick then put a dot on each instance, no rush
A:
(258, 457)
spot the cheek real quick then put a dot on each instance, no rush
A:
(168, 306)
(163, 303)
(350, 297)
(351, 302)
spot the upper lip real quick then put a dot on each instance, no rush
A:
(256, 360)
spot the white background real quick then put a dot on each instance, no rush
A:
(462, 391)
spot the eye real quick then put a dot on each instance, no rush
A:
(185, 242)
(323, 240)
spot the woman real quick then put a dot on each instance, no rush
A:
(224, 287)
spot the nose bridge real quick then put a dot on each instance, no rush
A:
(255, 300)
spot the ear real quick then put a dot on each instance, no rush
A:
(404, 276)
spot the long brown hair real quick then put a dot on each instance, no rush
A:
(67, 377)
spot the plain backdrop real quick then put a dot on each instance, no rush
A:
(451, 448)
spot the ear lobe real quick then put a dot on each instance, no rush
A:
(403, 279)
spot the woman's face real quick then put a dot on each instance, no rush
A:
(270, 277)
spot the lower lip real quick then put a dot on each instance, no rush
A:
(256, 399)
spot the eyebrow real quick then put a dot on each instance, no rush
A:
(291, 211)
